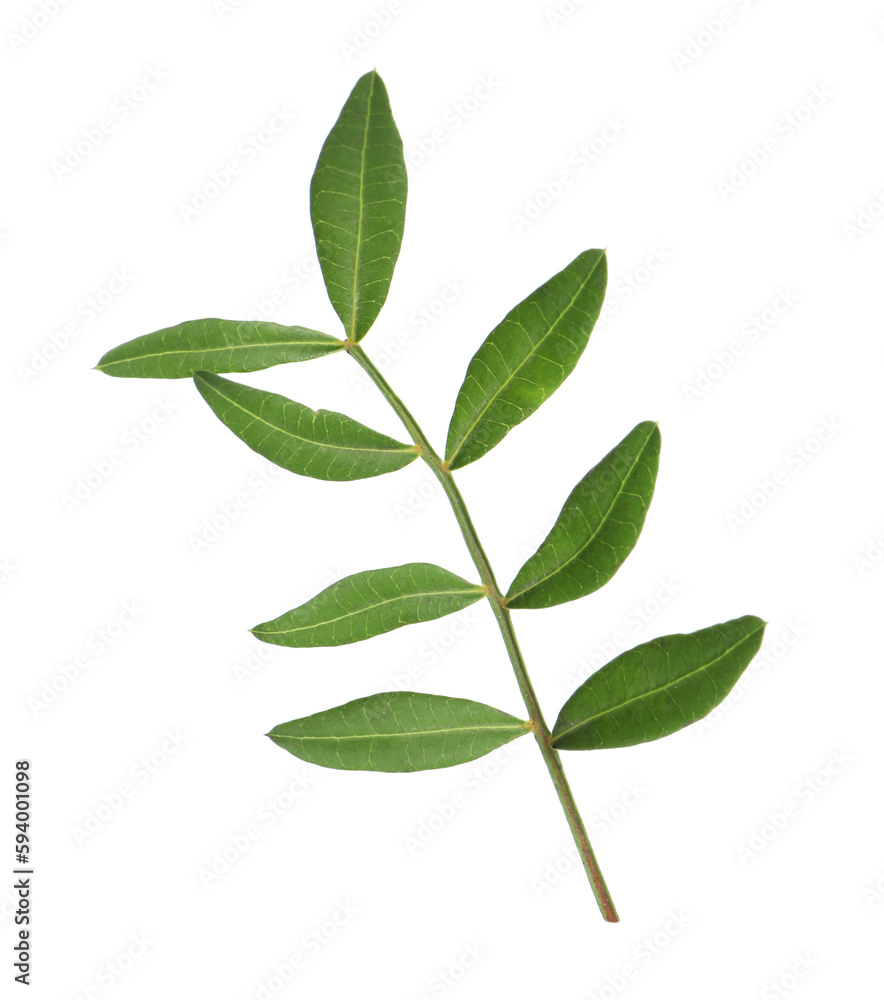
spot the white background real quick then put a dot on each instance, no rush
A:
(745, 856)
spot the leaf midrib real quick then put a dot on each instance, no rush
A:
(527, 358)
(351, 333)
(370, 607)
(592, 538)
(418, 732)
(216, 350)
(297, 437)
(657, 690)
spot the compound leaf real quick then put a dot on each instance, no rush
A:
(526, 357)
(597, 527)
(357, 204)
(398, 731)
(317, 443)
(215, 345)
(370, 603)
(657, 688)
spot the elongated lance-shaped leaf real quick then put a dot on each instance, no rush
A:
(370, 603)
(317, 443)
(357, 203)
(215, 345)
(526, 357)
(658, 687)
(596, 529)
(399, 731)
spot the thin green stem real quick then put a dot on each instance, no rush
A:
(504, 621)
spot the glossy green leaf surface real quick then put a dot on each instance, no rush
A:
(399, 731)
(597, 527)
(526, 357)
(658, 687)
(215, 345)
(357, 204)
(370, 603)
(316, 443)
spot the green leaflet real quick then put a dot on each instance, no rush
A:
(597, 528)
(398, 731)
(215, 345)
(657, 688)
(370, 603)
(357, 204)
(526, 357)
(316, 443)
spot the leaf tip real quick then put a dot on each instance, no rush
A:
(759, 623)
(648, 426)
